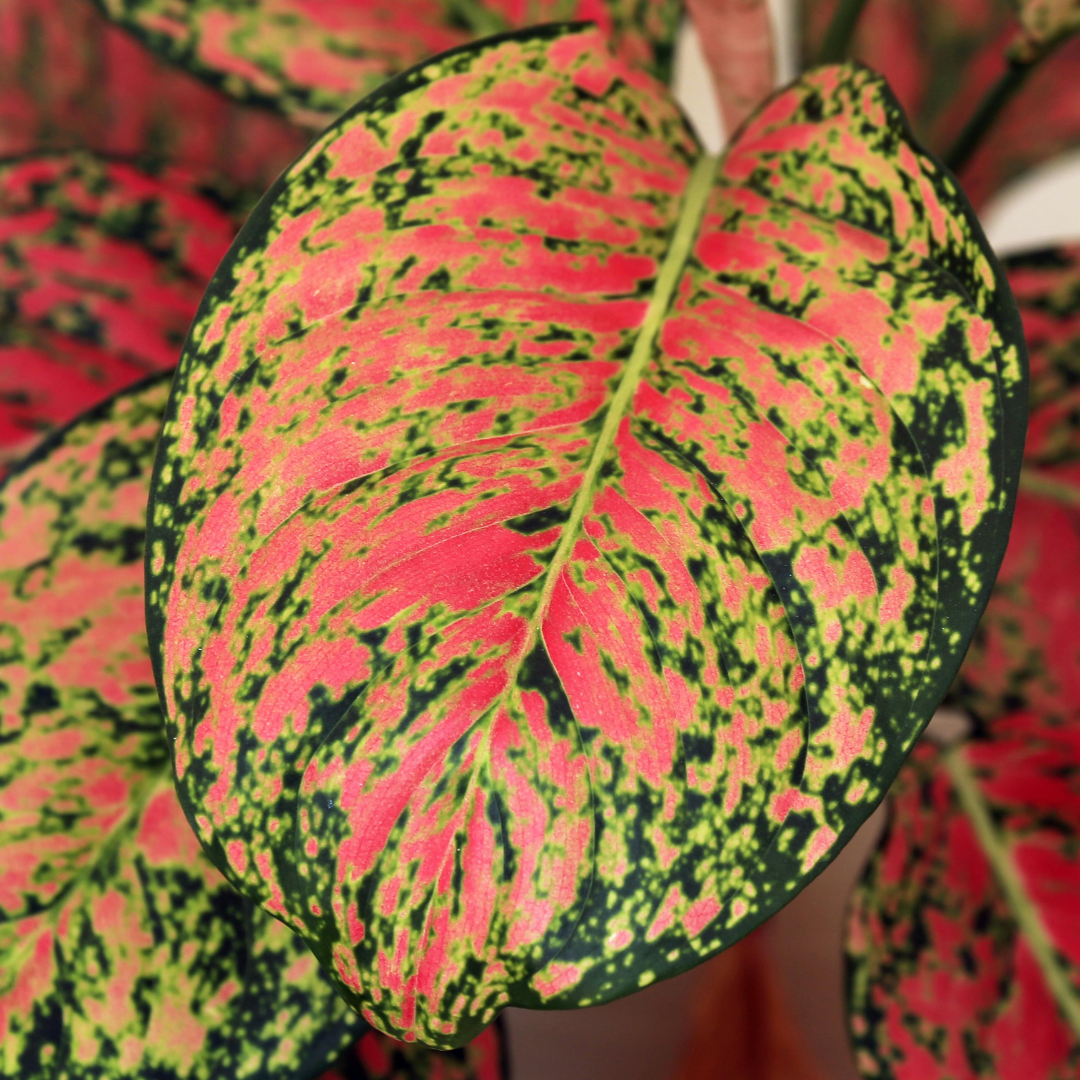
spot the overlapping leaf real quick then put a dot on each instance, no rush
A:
(312, 59)
(378, 1057)
(941, 57)
(1026, 651)
(70, 80)
(101, 270)
(558, 539)
(123, 952)
(944, 983)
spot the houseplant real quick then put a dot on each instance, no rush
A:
(718, 460)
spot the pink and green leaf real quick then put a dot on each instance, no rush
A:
(941, 57)
(101, 271)
(379, 1057)
(1046, 23)
(1026, 650)
(559, 537)
(963, 951)
(71, 80)
(312, 59)
(123, 952)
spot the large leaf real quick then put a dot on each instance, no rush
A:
(551, 526)
(69, 79)
(101, 270)
(378, 1057)
(1026, 651)
(314, 58)
(123, 952)
(941, 57)
(952, 977)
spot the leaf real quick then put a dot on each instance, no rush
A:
(123, 952)
(947, 973)
(1025, 653)
(378, 1057)
(70, 80)
(737, 42)
(941, 57)
(313, 60)
(101, 270)
(542, 571)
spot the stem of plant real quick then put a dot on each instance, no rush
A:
(837, 43)
(997, 852)
(997, 97)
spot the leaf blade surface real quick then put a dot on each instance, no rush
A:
(312, 61)
(101, 270)
(941, 59)
(122, 950)
(71, 80)
(577, 673)
(1023, 656)
(942, 978)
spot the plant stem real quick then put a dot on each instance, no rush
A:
(1021, 907)
(1036, 483)
(837, 43)
(996, 98)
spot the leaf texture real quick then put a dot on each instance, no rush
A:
(123, 952)
(941, 57)
(312, 59)
(101, 270)
(1025, 653)
(71, 80)
(378, 1057)
(559, 539)
(943, 982)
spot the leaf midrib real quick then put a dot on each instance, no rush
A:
(689, 221)
(1022, 908)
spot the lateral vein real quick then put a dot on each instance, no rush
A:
(997, 852)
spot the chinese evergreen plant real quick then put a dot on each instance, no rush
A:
(508, 563)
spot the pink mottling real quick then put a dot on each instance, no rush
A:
(819, 845)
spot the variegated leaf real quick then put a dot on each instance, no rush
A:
(123, 952)
(314, 58)
(71, 80)
(379, 1057)
(1026, 650)
(941, 57)
(101, 270)
(952, 976)
(560, 537)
